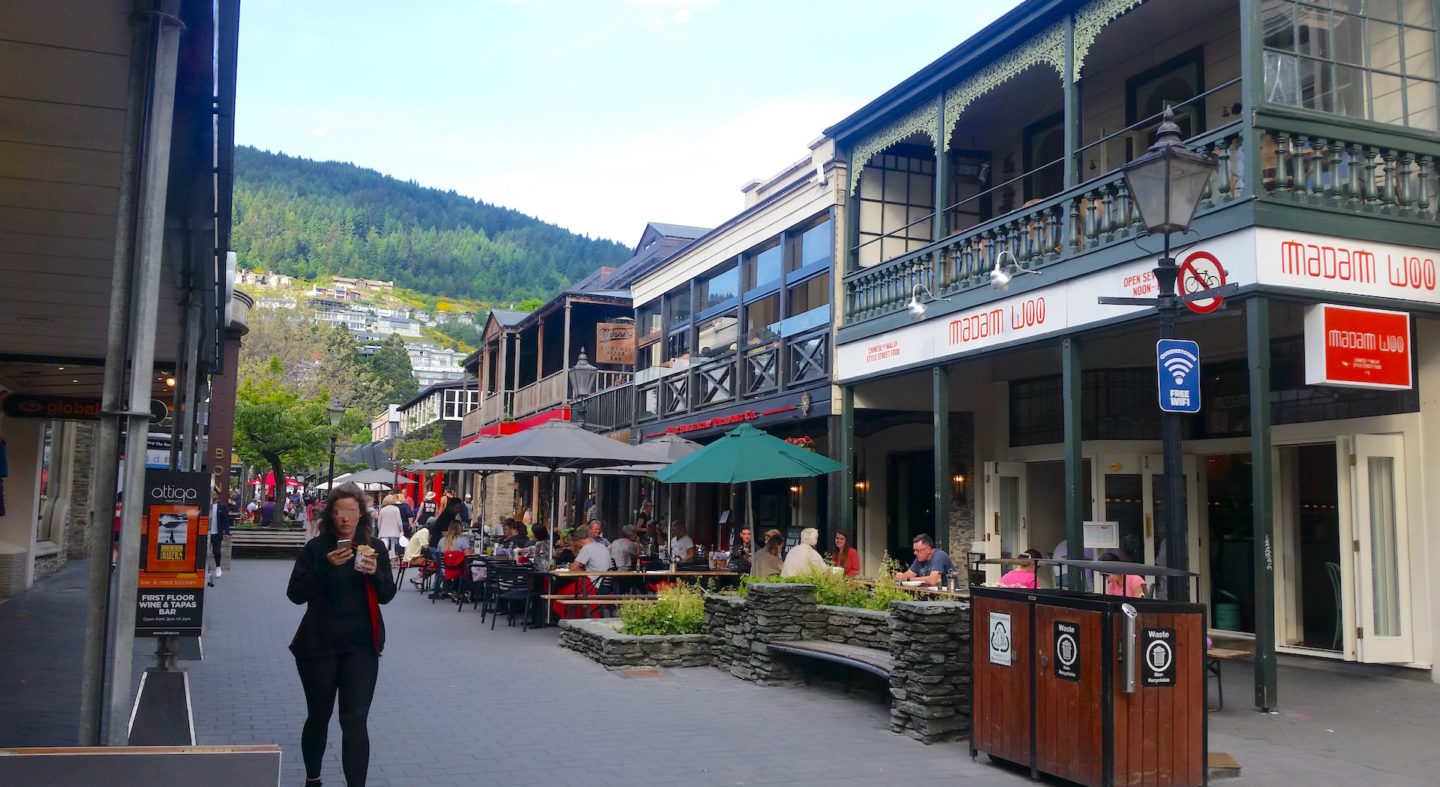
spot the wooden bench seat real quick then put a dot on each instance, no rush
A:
(267, 540)
(1213, 657)
(871, 660)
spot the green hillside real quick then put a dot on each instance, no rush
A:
(313, 219)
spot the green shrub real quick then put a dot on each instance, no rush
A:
(838, 590)
(679, 609)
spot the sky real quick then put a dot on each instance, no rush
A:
(596, 115)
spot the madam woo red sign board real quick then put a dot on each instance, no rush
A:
(1357, 348)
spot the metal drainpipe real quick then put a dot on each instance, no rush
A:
(162, 55)
(107, 439)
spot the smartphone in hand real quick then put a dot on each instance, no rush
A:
(343, 543)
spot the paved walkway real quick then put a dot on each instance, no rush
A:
(460, 704)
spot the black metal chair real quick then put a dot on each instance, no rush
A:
(509, 585)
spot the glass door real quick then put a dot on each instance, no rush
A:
(1006, 513)
(1381, 549)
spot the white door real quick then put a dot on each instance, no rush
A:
(1381, 548)
(1006, 513)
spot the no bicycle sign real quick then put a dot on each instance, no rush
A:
(1201, 271)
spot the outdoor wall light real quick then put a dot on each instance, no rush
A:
(959, 482)
(1000, 278)
(917, 309)
(861, 487)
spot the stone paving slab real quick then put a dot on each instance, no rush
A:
(459, 704)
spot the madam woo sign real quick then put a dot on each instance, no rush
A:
(1357, 348)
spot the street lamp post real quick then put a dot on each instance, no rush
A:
(1166, 184)
(337, 413)
(583, 376)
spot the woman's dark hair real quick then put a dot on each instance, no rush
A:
(773, 541)
(1033, 554)
(363, 528)
(541, 532)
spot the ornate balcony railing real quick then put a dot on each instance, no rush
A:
(1358, 172)
(1091, 216)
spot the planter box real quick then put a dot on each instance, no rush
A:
(602, 642)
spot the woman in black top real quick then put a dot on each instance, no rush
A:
(337, 647)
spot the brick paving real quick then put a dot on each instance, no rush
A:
(459, 704)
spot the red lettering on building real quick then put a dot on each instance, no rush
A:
(1333, 263)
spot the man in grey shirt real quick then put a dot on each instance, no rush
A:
(624, 549)
(590, 555)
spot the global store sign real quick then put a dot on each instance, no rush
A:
(1357, 348)
(1049, 310)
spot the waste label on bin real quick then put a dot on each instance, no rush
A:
(1158, 668)
(1000, 639)
(1067, 650)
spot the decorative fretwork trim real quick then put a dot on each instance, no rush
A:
(922, 121)
(1091, 20)
(1047, 47)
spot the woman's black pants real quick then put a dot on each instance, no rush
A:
(350, 675)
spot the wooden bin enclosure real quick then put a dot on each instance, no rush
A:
(1049, 687)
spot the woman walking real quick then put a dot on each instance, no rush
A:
(392, 525)
(337, 647)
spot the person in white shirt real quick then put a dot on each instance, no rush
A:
(682, 549)
(804, 558)
(392, 523)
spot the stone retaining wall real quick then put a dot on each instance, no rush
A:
(930, 686)
(863, 628)
(601, 641)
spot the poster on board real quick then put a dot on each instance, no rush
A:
(173, 534)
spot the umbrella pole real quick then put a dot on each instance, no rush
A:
(750, 505)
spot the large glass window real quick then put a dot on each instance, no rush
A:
(765, 267)
(808, 305)
(897, 202)
(815, 246)
(762, 320)
(647, 320)
(716, 336)
(677, 303)
(1368, 59)
(647, 356)
(677, 346)
(717, 288)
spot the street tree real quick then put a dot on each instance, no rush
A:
(274, 423)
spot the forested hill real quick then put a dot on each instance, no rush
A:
(312, 219)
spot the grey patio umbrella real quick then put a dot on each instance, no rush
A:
(382, 477)
(555, 447)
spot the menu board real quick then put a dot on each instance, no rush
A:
(173, 535)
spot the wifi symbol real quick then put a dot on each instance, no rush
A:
(1179, 367)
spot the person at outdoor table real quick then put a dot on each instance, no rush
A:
(624, 549)
(564, 552)
(767, 561)
(803, 557)
(845, 555)
(644, 519)
(590, 555)
(740, 552)
(1022, 576)
(451, 513)
(931, 564)
(682, 549)
(597, 533)
(338, 644)
(1132, 585)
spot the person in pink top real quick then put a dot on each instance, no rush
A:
(1131, 585)
(1022, 576)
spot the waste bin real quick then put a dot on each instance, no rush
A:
(1099, 690)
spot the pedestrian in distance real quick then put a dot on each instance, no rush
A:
(392, 524)
(338, 644)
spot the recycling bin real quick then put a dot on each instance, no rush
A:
(1100, 690)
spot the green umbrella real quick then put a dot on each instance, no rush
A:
(747, 454)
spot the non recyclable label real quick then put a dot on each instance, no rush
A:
(1067, 650)
(1157, 667)
(1000, 644)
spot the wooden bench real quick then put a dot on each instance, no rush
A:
(253, 539)
(871, 660)
(1213, 657)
